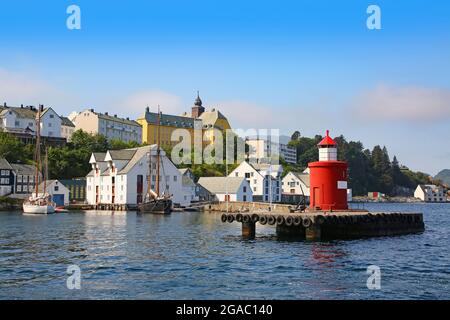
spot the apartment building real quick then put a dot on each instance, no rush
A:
(111, 126)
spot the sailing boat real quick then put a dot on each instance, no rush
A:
(38, 203)
(153, 201)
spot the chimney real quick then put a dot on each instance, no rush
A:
(92, 110)
(21, 106)
(4, 104)
(106, 113)
(147, 110)
(128, 118)
(115, 116)
(41, 107)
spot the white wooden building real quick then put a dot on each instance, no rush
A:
(190, 190)
(59, 193)
(227, 188)
(430, 193)
(121, 177)
(296, 183)
(23, 120)
(264, 180)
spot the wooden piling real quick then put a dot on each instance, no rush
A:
(248, 230)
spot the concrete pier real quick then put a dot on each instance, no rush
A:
(319, 225)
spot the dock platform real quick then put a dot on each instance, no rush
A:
(320, 225)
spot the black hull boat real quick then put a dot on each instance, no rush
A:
(159, 206)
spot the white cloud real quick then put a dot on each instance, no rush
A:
(17, 88)
(138, 101)
(403, 104)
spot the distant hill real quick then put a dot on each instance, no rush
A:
(444, 176)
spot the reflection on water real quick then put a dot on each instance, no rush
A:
(195, 256)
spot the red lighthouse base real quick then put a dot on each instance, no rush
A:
(328, 185)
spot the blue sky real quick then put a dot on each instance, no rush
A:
(306, 65)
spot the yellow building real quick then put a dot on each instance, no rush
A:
(202, 122)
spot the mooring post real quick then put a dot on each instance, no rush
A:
(313, 232)
(248, 230)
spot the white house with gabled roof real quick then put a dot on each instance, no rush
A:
(121, 177)
(264, 180)
(430, 193)
(296, 183)
(227, 188)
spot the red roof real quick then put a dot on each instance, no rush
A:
(327, 141)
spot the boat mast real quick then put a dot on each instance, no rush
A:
(38, 149)
(158, 151)
(45, 170)
(149, 179)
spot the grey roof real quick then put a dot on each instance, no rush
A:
(91, 173)
(186, 181)
(125, 154)
(304, 177)
(170, 120)
(66, 122)
(25, 112)
(137, 156)
(221, 184)
(265, 166)
(99, 156)
(24, 169)
(4, 164)
(113, 118)
(210, 117)
(48, 182)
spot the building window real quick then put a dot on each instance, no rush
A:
(175, 178)
(52, 116)
(56, 188)
(247, 175)
(244, 198)
(237, 174)
(245, 189)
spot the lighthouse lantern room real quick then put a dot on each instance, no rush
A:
(328, 178)
(327, 149)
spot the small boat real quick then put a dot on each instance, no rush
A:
(39, 203)
(154, 202)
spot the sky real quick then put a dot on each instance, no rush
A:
(290, 65)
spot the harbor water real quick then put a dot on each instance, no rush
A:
(193, 255)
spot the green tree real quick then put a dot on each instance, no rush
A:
(11, 148)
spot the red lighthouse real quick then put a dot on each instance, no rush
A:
(328, 178)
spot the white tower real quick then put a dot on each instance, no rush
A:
(327, 149)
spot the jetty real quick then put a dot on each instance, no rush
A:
(328, 215)
(321, 225)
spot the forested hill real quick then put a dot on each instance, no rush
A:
(369, 170)
(444, 176)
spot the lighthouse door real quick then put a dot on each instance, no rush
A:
(316, 201)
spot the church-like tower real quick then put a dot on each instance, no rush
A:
(198, 108)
